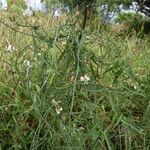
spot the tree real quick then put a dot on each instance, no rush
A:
(144, 6)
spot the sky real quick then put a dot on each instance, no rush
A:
(35, 4)
(3, 4)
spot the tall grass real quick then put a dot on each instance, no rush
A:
(59, 92)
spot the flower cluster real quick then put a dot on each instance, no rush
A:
(57, 106)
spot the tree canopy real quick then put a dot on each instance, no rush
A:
(143, 5)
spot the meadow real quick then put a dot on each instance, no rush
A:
(62, 87)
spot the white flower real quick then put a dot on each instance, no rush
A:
(135, 87)
(27, 63)
(39, 54)
(82, 128)
(58, 108)
(85, 79)
(55, 103)
(10, 48)
(28, 67)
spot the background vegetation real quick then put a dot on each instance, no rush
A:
(74, 81)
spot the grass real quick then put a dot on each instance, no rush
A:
(44, 104)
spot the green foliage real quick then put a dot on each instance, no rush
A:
(63, 87)
(17, 6)
(17, 9)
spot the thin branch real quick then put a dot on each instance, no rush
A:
(28, 34)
